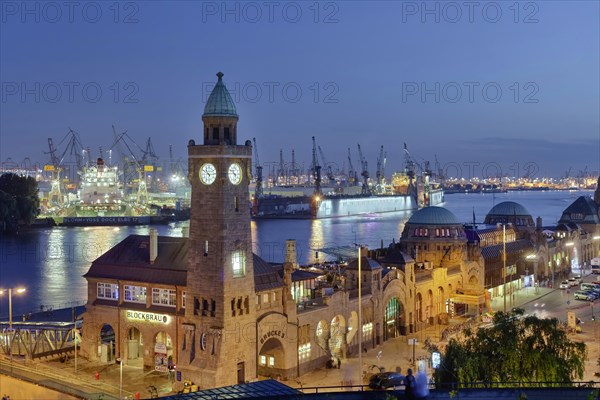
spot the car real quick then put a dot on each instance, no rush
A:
(581, 295)
(592, 293)
(565, 285)
(384, 380)
(572, 282)
(578, 278)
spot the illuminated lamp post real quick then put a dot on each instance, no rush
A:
(10, 328)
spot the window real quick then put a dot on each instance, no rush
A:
(304, 352)
(183, 295)
(136, 294)
(238, 264)
(265, 298)
(271, 361)
(263, 360)
(274, 297)
(108, 291)
(164, 297)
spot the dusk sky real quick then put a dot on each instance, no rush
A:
(514, 84)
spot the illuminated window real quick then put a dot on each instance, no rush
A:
(238, 264)
(108, 291)
(274, 297)
(304, 351)
(183, 296)
(164, 297)
(271, 361)
(265, 298)
(263, 360)
(135, 294)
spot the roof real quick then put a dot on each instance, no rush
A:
(366, 264)
(509, 208)
(130, 260)
(511, 247)
(395, 256)
(584, 206)
(219, 102)
(433, 216)
(269, 388)
(266, 276)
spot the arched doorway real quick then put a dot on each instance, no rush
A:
(394, 319)
(337, 335)
(322, 334)
(163, 352)
(271, 358)
(352, 327)
(441, 301)
(135, 346)
(107, 348)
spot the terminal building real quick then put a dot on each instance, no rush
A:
(222, 315)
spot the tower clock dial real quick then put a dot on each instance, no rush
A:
(208, 173)
(235, 173)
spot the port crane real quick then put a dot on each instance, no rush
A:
(352, 175)
(281, 175)
(142, 193)
(328, 169)
(315, 168)
(294, 169)
(381, 161)
(73, 150)
(258, 191)
(366, 190)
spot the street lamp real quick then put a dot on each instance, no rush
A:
(10, 330)
(504, 264)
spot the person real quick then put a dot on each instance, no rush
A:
(409, 385)
(421, 385)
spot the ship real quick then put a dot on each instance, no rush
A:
(402, 194)
(100, 201)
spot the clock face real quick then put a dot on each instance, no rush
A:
(235, 173)
(208, 173)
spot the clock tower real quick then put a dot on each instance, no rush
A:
(218, 343)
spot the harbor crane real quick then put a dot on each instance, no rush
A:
(73, 150)
(352, 175)
(294, 169)
(364, 173)
(328, 169)
(258, 191)
(315, 168)
(142, 193)
(281, 173)
(381, 160)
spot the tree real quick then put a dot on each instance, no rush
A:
(19, 201)
(514, 349)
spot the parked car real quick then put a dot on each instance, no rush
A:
(581, 295)
(565, 285)
(573, 282)
(386, 380)
(592, 293)
(578, 278)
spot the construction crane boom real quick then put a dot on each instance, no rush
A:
(316, 168)
(364, 173)
(258, 191)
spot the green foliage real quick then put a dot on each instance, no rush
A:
(513, 349)
(19, 201)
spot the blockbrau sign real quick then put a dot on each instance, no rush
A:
(146, 316)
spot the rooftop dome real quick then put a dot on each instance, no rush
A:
(509, 208)
(433, 216)
(219, 102)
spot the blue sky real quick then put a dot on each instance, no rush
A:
(505, 84)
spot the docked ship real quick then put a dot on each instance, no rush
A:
(402, 194)
(101, 201)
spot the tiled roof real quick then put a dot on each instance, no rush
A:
(129, 260)
(511, 247)
(268, 389)
(583, 205)
(265, 275)
(366, 264)
(219, 102)
(396, 257)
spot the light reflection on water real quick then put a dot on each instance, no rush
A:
(51, 262)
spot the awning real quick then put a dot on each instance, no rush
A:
(475, 299)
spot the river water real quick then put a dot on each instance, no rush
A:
(50, 262)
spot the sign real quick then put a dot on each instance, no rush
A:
(571, 319)
(48, 167)
(412, 341)
(160, 357)
(436, 359)
(147, 316)
(270, 334)
(148, 168)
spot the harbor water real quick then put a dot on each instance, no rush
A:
(51, 262)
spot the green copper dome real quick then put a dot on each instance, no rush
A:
(433, 216)
(220, 103)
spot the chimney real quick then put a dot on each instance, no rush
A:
(538, 223)
(364, 251)
(290, 253)
(153, 245)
